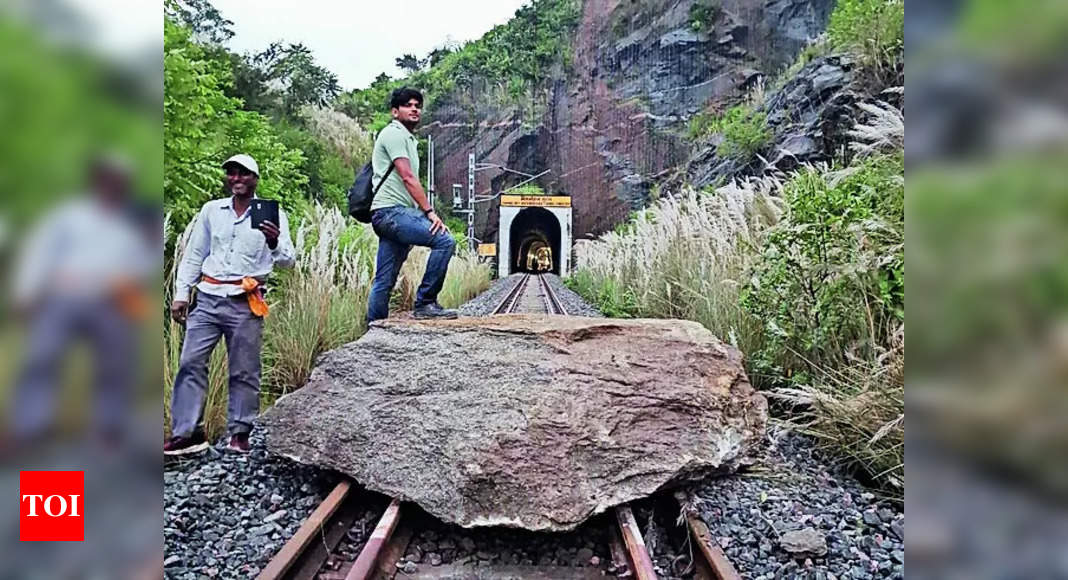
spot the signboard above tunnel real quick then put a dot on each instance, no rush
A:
(535, 201)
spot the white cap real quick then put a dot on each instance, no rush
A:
(245, 161)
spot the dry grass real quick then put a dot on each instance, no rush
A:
(883, 131)
(691, 255)
(857, 412)
(688, 255)
(323, 301)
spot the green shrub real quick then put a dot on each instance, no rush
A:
(831, 282)
(744, 131)
(744, 134)
(874, 29)
(703, 14)
(611, 296)
(701, 125)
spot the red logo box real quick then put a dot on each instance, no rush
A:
(51, 506)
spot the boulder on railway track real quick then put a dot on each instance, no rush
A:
(537, 422)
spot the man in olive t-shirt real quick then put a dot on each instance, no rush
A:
(402, 215)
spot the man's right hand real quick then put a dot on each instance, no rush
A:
(436, 225)
(180, 311)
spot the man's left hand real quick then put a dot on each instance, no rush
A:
(270, 231)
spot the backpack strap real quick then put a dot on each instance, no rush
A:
(384, 178)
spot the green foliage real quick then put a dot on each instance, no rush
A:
(608, 295)
(58, 108)
(528, 189)
(703, 14)
(328, 176)
(202, 126)
(744, 132)
(514, 57)
(1038, 32)
(874, 29)
(832, 279)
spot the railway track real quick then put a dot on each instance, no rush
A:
(539, 298)
(307, 554)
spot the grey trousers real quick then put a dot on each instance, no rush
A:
(54, 328)
(215, 317)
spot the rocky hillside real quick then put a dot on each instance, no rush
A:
(613, 119)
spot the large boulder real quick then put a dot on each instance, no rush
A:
(535, 422)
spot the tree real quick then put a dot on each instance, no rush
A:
(280, 79)
(202, 126)
(411, 64)
(438, 54)
(204, 20)
(380, 80)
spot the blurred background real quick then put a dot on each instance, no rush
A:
(986, 210)
(81, 176)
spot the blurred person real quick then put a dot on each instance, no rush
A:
(402, 216)
(228, 261)
(83, 274)
(987, 141)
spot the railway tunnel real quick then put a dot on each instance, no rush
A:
(534, 235)
(535, 241)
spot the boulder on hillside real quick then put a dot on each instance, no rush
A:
(536, 422)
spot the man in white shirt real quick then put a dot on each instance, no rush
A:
(227, 260)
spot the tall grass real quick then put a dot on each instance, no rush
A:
(322, 302)
(687, 256)
(317, 306)
(873, 29)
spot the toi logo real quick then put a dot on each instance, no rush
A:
(51, 506)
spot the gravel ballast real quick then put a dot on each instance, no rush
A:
(225, 515)
(776, 521)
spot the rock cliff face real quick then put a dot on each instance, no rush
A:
(614, 122)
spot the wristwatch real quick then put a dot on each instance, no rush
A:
(427, 211)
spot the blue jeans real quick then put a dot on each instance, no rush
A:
(400, 228)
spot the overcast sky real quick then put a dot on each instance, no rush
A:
(357, 40)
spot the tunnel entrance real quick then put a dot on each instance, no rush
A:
(534, 240)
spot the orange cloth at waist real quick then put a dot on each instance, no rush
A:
(251, 286)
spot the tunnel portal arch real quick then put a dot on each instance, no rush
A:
(533, 231)
(534, 235)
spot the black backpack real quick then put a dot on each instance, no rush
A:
(361, 194)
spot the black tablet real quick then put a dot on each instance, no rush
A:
(264, 210)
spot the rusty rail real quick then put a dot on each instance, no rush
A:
(291, 551)
(641, 563)
(365, 562)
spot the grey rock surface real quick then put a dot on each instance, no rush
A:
(524, 421)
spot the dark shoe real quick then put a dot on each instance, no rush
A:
(185, 445)
(238, 443)
(434, 310)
